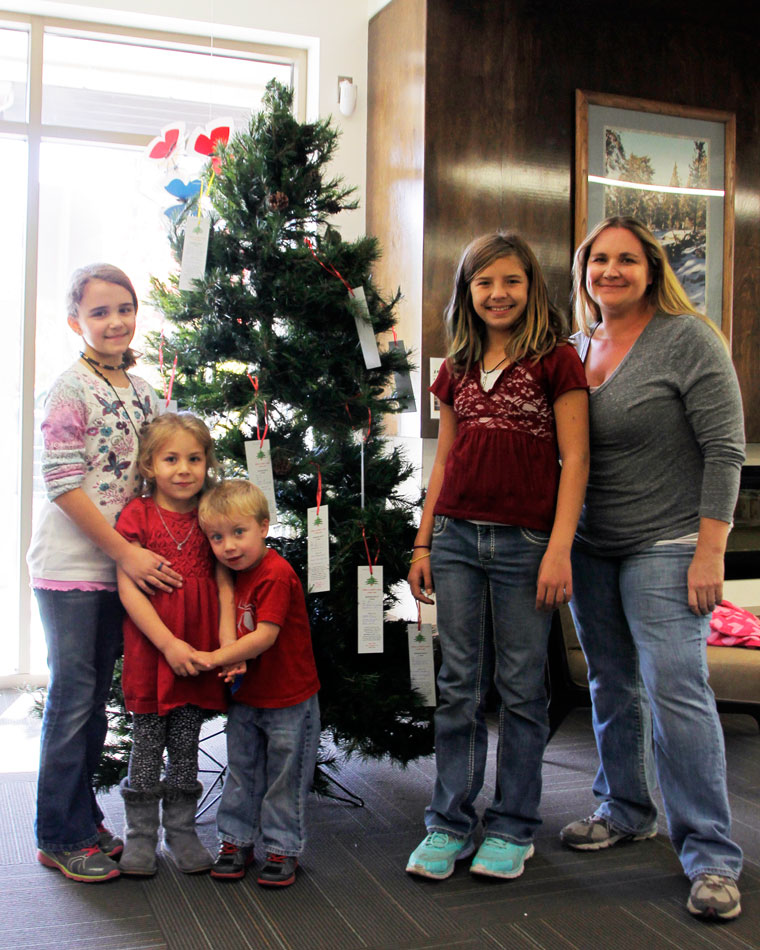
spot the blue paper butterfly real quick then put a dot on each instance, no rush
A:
(184, 192)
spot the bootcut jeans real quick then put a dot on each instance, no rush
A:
(83, 631)
(653, 709)
(485, 579)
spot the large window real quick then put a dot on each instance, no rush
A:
(78, 105)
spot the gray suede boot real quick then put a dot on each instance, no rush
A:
(141, 832)
(180, 839)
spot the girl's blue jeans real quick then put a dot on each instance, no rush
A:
(83, 630)
(647, 662)
(485, 580)
(271, 757)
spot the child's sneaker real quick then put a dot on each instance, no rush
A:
(88, 865)
(499, 858)
(109, 844)
(436, 855)
(278, 871)
(231, 862)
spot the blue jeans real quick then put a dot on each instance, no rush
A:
(485, 580)
(271, 756)
(646, 654)
(83, 634)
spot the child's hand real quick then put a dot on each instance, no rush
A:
(231, 670)
(179, 656)
(555, 581)
(420, 576)
(203, 660)
(148, 571)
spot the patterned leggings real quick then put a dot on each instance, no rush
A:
(178, 733)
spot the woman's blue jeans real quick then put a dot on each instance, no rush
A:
(485, 579)
(83, 630)
(271, 756)
(647, 661)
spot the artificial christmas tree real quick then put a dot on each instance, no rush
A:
(266, 345)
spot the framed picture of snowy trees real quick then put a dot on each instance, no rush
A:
(673, 168)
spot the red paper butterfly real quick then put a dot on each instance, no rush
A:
(205, 141)
(164, 145)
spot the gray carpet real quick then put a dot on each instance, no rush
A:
(352, 891)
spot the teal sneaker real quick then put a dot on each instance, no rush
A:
(436, 855)
(499, 858)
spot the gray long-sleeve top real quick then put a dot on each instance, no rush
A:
(667, 439)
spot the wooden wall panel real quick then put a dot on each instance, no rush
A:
(500, 81)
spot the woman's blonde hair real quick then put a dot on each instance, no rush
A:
(665, 292)
(231, 499)
(162, 428)
(538, 331)
(111, 275)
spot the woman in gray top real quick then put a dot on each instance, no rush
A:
(667, 447)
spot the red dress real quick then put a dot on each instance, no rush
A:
(191, 612)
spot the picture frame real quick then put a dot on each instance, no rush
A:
(674, 168)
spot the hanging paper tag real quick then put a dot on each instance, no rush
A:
(360, 310)
(318, 549)
(259, 462)
(194, 251)
(421, 667)
(370, 609)
(436, 362)
(170, 406)
(403, 382)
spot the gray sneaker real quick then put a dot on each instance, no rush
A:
(594, 833)
(714, 896)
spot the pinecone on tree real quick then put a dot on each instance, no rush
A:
(278, 201)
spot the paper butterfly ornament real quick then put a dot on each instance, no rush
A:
(184, 192)
(163, 146)
(205, 141)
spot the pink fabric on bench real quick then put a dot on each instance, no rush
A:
(732, 626)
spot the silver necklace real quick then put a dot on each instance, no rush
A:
(485, 373)
(166, 526)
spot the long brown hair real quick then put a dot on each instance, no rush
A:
(665, 292)
(111, 275)
(541, 327)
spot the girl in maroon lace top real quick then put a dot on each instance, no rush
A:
(494, 541)
(162, 686)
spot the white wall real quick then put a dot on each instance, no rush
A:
(334, 32)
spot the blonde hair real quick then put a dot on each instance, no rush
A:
(541, 326)
(665, 292)
(231, 499)
(111, 275)
(160, 430)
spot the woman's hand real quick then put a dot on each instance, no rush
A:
(420, 576)
(180, 657)
(148, 571)
(555, 581)
(705, 581)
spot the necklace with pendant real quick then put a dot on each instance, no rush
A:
(485, 373)
(166, 526)
(94, 363)
(108, 382)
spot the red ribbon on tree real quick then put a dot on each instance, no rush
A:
(366, 548)
(255, 383)
(171, 382)
(328, 267)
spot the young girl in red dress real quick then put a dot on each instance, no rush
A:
(163, 689)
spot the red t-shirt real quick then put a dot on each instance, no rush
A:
(504, 463)
(285, 674)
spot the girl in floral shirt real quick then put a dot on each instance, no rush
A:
(94, 413)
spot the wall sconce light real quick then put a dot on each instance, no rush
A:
(346, 95)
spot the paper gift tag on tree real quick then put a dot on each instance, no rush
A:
(259, 461)
(318, 549)
(357, 301)
(194, 251)
(370, 608)
(421, 666)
